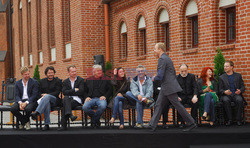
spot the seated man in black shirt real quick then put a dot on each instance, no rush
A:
(49, 90)
(73, 91)
(97, 90)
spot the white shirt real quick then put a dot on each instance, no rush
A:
(140, 86)
(79, 100)
(25, 92)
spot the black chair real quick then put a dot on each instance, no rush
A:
(8, 95)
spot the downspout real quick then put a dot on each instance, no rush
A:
(10, 35)
(107, 41)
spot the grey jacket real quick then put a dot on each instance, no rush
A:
(147, 87)
(167, 75)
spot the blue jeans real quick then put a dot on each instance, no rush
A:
(45, 107)
(101, 106)
(139, 107)
(118, 106)
(209, 106)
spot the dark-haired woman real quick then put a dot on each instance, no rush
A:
(121, 85)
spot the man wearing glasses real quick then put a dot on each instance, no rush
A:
(141, 91)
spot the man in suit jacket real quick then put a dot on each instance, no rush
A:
(97, 90)
(73, 91)
(169, 88)
(231, 87)
(26, 91)
(49, 90)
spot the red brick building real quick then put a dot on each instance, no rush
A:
(63, 32)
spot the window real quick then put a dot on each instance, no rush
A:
(51, 29)
(230, 25)
(41, 57)
(67, 28)
(29, 32)
(141, 37)
(123, 41)
(163, 28)
(20, 20)
(195, 31)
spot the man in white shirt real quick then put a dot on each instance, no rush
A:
(73, 91)
(26, 91)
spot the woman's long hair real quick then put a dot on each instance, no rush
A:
(204, 75)
(120, 79)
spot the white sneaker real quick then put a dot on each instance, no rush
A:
(27, 126)
(21, 127)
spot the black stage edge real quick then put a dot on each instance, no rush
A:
(75, 137)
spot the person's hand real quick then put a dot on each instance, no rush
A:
(228, 92)
(102, 98)
(179, 99)
(24, 105)
(139, 97)
(194, 99)
(119, 94)
(115, 71)
(43, 95)
(76, 89)
(237, 92)
(21, 106)
(87, 99)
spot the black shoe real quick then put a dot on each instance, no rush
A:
(191, 127)
(98, 123)
(34, 115)
(153, 129)
(62, 128)
(239, 123)
(45, 128)
(182, 125)
(73, 118)
(229, 123)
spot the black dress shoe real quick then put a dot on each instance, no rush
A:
(73, 118)
(153, 129)
(45, 128)
(191, 127)
(34, 115)
(239, 123)
(229, 123)
(98, 123)
(62, 128)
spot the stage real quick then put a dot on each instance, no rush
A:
(76, 137)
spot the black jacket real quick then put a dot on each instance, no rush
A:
(191, 86)
(32, 90)
(68, 91)
(105, 87)
(53, 87)
(224, 84)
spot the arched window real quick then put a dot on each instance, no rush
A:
(123, 41)
(192, 15)
(141, 37)
(228, 17)
(20, 22)
(51, 30)
(163, 28)
(67, 28)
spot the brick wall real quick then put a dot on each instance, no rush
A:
(211, 21)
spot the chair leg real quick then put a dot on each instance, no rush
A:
(129, 117)
(86, 119)
(133, 117)
(82, 118)
(59, 121)
(173, 112)
(40, 121)
(1, 119)
(37, 124)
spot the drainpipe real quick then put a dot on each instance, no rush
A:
(10, 39)
(107, 42)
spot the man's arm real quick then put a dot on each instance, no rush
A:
(58, 88)
(65, 90)
(17, 93)
(34, 92)
(160, 69)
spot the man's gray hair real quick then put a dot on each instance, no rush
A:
(140, 66)
(97, 66)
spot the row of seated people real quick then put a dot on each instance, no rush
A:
(97, 89)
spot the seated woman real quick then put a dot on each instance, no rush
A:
(207, 89)
(121, 87)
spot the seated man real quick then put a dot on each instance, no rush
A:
(97, 90)
(49, 90)
(73, 91)
(141, 91)
(26, 91)
(231, 87)
(188, 95)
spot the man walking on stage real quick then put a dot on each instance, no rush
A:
(169, 88)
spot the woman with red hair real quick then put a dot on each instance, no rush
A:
(207, 89)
